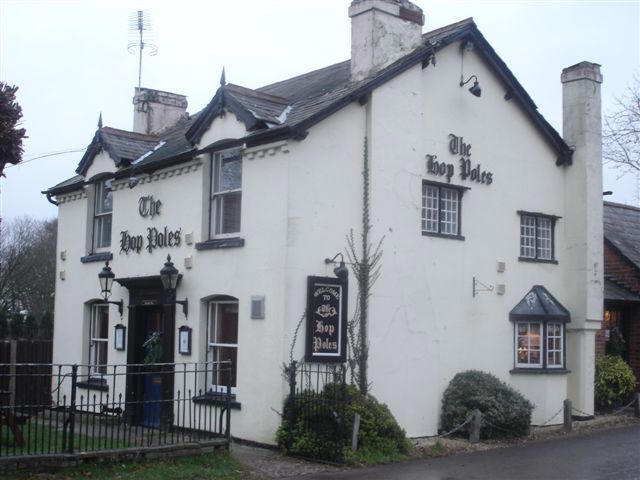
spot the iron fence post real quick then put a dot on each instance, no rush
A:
(342, 410)
(291, 420)
(228, 426)
(72, 413)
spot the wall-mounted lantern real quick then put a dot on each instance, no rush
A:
(106, 277)
(119, 337)
(475, 89)
(169, 276)
(341, 271)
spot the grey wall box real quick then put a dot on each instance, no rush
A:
(257, 307)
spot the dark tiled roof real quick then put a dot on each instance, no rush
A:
(121, 145)
(538, 302)
(622, 229)
(288, 108)
(616, 293)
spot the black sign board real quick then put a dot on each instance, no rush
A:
(326, 320)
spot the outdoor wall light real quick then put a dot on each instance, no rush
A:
(341, 271)
(169, 276)
(106, 277)
(475, 89)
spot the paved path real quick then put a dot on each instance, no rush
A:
(606, 455)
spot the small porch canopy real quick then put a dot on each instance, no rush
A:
(538, 304)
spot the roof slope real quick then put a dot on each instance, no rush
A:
(622, 229)
(287, 109)
(122, 146)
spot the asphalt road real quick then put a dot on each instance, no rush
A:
(609, 454)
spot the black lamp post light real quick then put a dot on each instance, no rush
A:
(169, 276)
(341, 271)
(106, 277)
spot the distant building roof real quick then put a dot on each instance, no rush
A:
(622, 230)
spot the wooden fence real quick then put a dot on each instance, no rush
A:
(30, 382)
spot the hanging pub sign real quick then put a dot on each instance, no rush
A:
(326, 320)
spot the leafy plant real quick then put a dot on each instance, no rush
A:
(616, 345)
(505, 412)
(614, 381)
(322, 433)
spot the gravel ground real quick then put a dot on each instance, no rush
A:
(267, 464)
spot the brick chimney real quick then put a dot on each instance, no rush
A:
(382, 31)
(582, 130)
(155, 110)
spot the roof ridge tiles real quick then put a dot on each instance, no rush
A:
(621, 205)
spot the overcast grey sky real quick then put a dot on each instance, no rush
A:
(70, 61)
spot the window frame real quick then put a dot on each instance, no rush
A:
(537, 216)
(101, 216)
(210, 346)
(97, 370)
(215, 165)
(543, 366)
(423, 218)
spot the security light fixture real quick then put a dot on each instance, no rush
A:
(106, 277)
(169, 276)
(341, 271)
(475, 89)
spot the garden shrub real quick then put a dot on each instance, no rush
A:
(505, 412)
(316, 432)
(614, 381)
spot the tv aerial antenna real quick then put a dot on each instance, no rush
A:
(140, 38)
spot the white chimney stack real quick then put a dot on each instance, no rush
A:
(382, 31)
(155, 110)
(582, 130)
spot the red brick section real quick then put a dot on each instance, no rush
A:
(618, 269)
(622, 272)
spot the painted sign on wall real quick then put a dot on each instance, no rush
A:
(326, 320)
(457, 146)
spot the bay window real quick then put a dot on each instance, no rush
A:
(539, 345)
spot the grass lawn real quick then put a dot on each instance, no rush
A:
(40, 438)
(219, 465)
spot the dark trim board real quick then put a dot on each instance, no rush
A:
(216, 243)
(97, 257)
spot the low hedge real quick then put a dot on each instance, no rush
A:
(614, 381)
(316, 433)
(505, 412)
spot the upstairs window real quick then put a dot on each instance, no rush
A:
(441, 208)
(103, 205)
(537, 237)
(226, 194)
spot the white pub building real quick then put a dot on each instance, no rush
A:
(492, 225)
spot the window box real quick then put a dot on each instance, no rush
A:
(94, 384)
(231, 242)
(537, 237)
(442, 210)
(97, 257)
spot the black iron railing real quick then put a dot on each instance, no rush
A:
(315, 409)
(91, 408)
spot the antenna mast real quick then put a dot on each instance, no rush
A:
(139, 38)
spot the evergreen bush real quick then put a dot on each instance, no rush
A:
(614, 382)
(318, 433)
(505, 412)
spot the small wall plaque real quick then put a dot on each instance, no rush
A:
(119, 340)
(184, 340)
